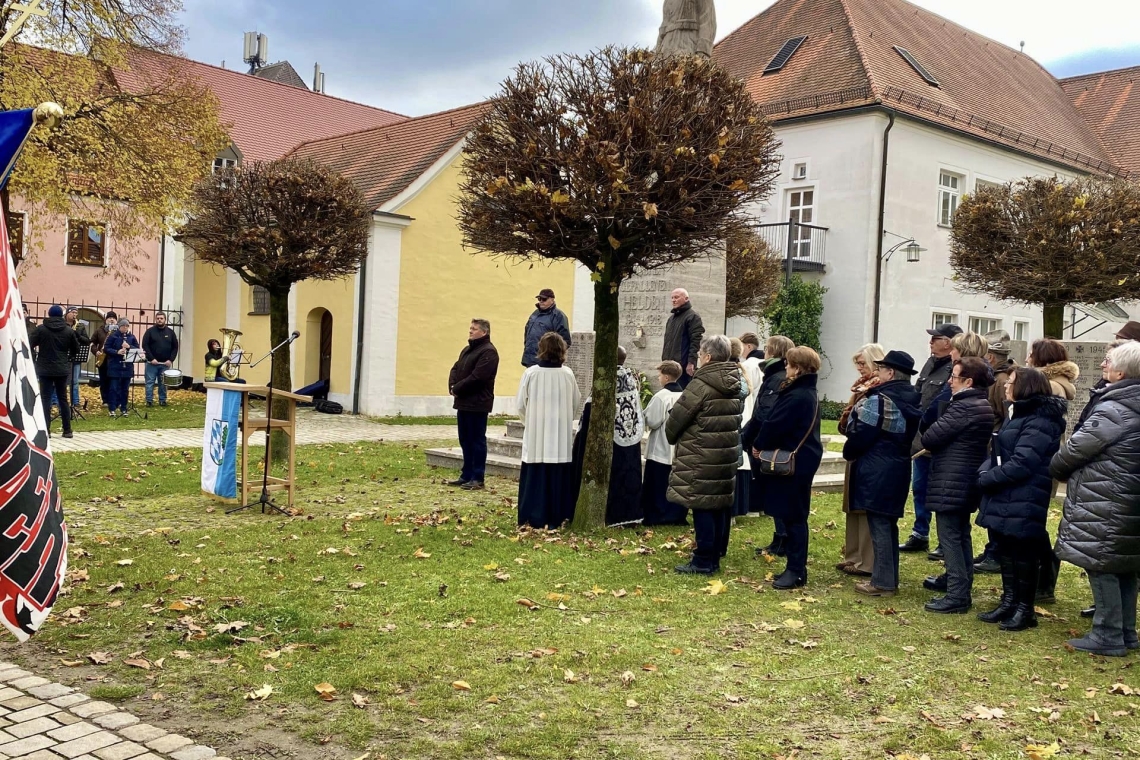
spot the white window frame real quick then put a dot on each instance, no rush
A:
(801, 246)
(979, 182)
(949, 192)
(1024, 324)
(807, 170)
(226, 163)
(954, 317)
(997, 318)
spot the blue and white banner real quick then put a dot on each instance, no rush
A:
(219, 445)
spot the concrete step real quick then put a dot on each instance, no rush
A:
(515, 429)
(839, 439)
(510, 467)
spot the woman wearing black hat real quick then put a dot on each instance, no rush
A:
(879, 434)
(1016, 484)
(958, 441)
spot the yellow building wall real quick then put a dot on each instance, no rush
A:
(443, 286)
(209, 314)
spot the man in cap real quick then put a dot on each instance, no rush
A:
(935, 374)
(999, 359)
(547, 317)
(1130, 331)
(72, 319)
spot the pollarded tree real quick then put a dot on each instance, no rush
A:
(753, 275)
(278, 223)
(624, 163)
(1048, 242)
(137, 131)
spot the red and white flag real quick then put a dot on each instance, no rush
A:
(33, 536)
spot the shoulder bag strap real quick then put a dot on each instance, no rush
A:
(814, 424)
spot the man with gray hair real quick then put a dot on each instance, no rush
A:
(683, 333)
(472, 384)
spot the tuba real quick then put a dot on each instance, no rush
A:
(229, 345)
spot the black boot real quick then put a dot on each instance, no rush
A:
(1047, 578)
(1008, 604)
(776, 548)
(1024, 616)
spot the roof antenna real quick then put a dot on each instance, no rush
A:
(1023, 47)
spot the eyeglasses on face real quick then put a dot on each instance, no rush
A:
(959, 378)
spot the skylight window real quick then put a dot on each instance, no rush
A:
(786, 52)
(917, 66)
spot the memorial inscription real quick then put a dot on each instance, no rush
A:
(1087, 356)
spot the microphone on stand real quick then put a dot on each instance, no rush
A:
(296, 334)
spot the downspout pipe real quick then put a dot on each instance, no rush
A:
(882, 224)
(363, 276)
(162, 267)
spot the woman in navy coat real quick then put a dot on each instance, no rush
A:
(1016, 485)
(793, 422)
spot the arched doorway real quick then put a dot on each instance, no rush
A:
(318, 346)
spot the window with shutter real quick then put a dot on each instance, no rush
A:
(260, 300)
(16, 221)
(86, 243)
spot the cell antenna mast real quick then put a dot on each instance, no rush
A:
(256, 51)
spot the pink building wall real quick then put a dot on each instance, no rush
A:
(44, 274)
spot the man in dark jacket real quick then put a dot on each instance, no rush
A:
(934, 375)
(98, 339)
(547, 317)
(683, 333)
(160, 345)
(56, 344)
(472, 384)
(72, 319)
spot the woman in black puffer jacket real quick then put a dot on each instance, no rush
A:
(958, 441)
(1016, 487)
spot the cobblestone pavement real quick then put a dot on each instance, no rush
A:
(41, 720)
(312, 427)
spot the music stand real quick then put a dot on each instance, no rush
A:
(134, 357)
(81, 356)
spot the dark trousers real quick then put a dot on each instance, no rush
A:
(473, 441)
(796, 546)
(920, 479)
(118, 390)
(711, 527)
(1114, 623)
(60, 386)
(1050, 565)
(885, 540)
(104, 383)
(958, 550)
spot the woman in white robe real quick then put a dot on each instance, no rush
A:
(547, 399)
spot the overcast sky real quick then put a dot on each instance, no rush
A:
(421, 56)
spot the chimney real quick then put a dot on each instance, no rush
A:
(318, 79)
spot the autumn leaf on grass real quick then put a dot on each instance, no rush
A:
(619, 593)
(421, 554)
(359, 701)
(492, 700)
(138, 663)
(792, 606)
(125, 562)
(491, 566)
(357, 585)
(179, 606)
(461, 686)
(627, 678)
(631, 704)
(232, 627)
(502, 577)
(986, 713)
(325, 691)
(1122, 690)
(261, 694)
(716, 587)
(569, 677)
(1040, 751)
(99, 658)
(793, 624)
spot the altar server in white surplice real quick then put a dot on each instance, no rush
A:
(548, 397)
(655, 504)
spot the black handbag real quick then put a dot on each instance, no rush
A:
(781, 462)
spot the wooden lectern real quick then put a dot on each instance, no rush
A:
(248, 489)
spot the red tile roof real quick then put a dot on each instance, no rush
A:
(266, 119)
(986, 89)
(1110, 102)
(384, 162)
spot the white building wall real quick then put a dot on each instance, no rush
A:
(381, 317)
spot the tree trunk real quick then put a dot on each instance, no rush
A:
(1054, 320)
(591, 509)
(281, 378)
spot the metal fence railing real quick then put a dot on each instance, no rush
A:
(807, 247)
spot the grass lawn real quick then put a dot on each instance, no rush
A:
(447, 633)
(185, 409)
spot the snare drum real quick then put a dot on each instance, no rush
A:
(172, 378)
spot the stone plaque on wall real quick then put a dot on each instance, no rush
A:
(580, 359)
(645, 308)
(1087, 356)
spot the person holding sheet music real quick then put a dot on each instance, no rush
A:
(119, 370)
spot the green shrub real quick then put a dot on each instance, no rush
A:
(798, 313)
(830, 410)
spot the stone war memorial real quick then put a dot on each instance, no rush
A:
(1087, 355)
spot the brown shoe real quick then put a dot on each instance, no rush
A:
(852, 570)
(843, 566)
(868, 590)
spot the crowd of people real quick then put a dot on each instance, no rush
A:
(735, 430)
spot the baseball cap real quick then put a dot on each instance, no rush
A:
(945, 330)
(545, 293)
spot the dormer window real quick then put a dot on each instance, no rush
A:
(786, 52)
